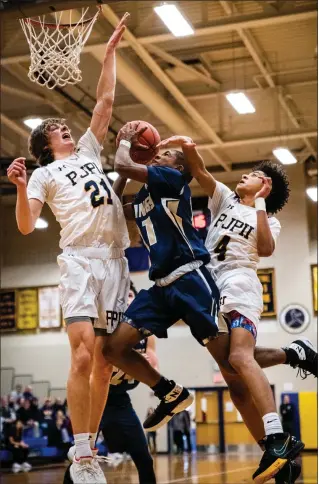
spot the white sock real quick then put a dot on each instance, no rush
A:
(92, 440)
(82, 445)
(272, 424)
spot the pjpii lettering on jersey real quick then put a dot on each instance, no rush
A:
(234, 225)
(112, 318)
(83, 171)
(144, 207)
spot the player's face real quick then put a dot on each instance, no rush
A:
(168, 158)
(60, 139)
(131, 297)
(250, 184)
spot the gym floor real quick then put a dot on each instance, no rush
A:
(193, 469)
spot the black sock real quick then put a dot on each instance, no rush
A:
(163, 387)
(291, 356)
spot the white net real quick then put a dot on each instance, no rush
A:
(55, 48)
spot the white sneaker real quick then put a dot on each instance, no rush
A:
(86, 472)
(26, 467)
(16, 468)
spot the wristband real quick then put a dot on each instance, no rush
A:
(260, 204)
(124, 142)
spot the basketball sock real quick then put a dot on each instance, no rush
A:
(272, 423)
(82, 445)
(291, 356)
(93, 440)
(163, 387)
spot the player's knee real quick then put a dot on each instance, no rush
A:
(239, 360)
(112, 350)
(82, 360)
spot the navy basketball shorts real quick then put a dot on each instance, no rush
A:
(194, 298)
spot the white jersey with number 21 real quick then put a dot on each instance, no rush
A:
(81, 198)
(232, 235)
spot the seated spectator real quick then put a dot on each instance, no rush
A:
(58, 433)
(19, 449)
(27, 416)
(47, 409)
(28, 394)
(17, 393)
(8, 416)
(58, 405)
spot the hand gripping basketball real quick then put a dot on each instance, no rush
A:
(131, 133)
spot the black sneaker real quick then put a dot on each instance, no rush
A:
(174, 402)
(279, 448)
(306, 358)
(289, 473)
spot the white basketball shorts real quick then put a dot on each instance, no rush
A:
(241, 291)
(94, 285)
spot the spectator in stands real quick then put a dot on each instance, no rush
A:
(58, 405)
(17, 393)
(47, 409)
(28, 394)
(8, 416)
(287, 415)
(35, 411)
(19, 449)
(58, 434)
(26, 414)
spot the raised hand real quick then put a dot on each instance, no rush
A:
(265, 189)
(118, 32)
(177, 141)
(131, 133)
(17, 172)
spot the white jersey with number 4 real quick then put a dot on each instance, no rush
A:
(81, 198)
(232, 235)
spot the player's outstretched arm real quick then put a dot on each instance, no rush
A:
(106, 86)
(194, 161)
(124, 165)
(27, 211)
(265, 241)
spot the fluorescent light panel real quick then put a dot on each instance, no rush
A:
(41, 223)
(312, 193)
(240, 102)
(174, 20)
(284, 156)
(32, 123)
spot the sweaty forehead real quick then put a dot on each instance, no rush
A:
(258, 173)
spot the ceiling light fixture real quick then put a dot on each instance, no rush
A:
(41, 223)
(32, 123)
(284, 156)
(312, 193)
(174, 20)
(112, 175)
(240, 102)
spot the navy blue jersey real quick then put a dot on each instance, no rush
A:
(163, 213)
(121, 383)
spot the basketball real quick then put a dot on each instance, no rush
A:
(149, 138)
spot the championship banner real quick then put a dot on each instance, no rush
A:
(49, 308)
(27, 302)
(7, 311)
(314, 278)
(267, 279)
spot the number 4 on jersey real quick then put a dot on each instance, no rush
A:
(222, 247)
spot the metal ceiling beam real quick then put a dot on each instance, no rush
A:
(178, 63)
(14, 126)
(20, 93)
(260, 139)
(194, 115)
(223, 25)
(263, 65)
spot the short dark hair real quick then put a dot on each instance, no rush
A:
(180, 160)
(279, 194)
(133, 288)
(38, 141)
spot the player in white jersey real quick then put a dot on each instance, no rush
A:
(242, 230)
(94, 280)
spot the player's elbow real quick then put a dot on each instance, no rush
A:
(265, 251)
(25, 230)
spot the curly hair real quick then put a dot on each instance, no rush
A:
(279, 194)
(38, 141)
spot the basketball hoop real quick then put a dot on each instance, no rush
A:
(55, 48)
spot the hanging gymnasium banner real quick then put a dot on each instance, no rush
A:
(27, 314)
(7, 310)
(267, 279)
(49, 308)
